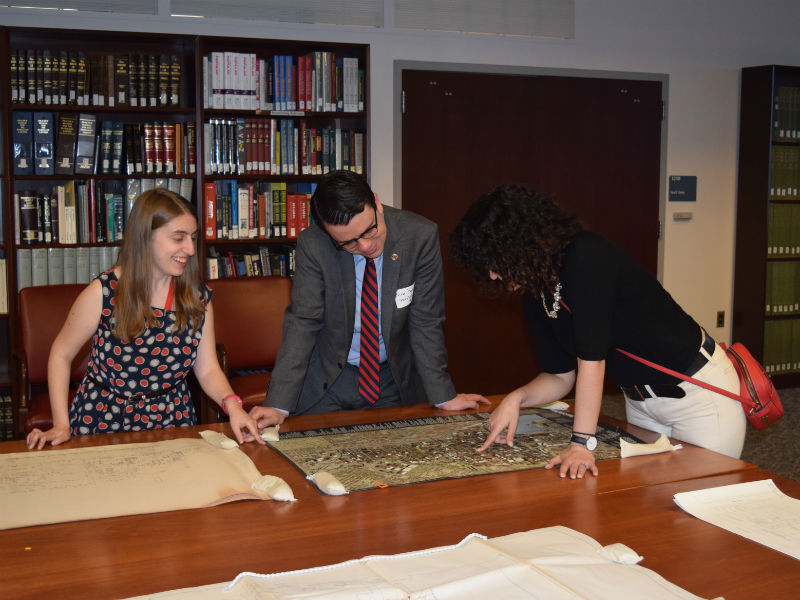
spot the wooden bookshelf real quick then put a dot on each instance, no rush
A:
(766, 305)
(184, 103)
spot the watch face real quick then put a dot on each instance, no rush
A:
(591, 443)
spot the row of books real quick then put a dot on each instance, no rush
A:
(783, 287)
(44, 76)
(279, 147)
(786, 114)
(782, 346)
(319, 82)
(785, 173)
(255, 210)
(783, 233)
(83, 211)
(47, 143)
(272, 261)
(57, 265)
(6, 418)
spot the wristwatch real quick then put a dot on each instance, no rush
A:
(590, 442)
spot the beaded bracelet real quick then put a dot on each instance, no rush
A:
(228, 397)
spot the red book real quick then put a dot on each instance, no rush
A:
(302, 213)
(309, 85)
(293, 211)
(149, 148)
(210, 198)
(158, 147)
(169, 152)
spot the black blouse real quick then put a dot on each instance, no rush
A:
(611, 301)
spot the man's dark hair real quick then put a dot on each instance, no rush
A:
(340, 195)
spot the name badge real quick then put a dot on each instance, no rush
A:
(403, 296)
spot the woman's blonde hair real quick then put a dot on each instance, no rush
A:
(133, 309)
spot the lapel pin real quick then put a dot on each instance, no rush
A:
(395, 257)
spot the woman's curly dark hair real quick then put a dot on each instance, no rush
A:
(518, 233)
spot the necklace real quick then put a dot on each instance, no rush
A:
(553, 314)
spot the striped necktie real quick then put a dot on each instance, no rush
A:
(369, 381)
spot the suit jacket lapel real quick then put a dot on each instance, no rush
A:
(347, 278)
(392, 257)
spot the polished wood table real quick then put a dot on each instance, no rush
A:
(630, 502)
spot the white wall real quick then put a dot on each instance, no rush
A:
(700, 45)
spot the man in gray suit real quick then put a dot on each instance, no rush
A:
(317, 368)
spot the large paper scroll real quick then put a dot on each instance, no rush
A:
(109, 481)
(757, 510)
(554, 563)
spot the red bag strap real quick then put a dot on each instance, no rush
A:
(747, 402)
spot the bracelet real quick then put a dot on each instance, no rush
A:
(228, 397)
(586, 434)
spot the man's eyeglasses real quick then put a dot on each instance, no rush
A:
(367, 235)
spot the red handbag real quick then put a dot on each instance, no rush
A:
(758, 395)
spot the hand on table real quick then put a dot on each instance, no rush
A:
(244, 426)
(575, 462)
(266, 416)
(464, 402)
(55, 435)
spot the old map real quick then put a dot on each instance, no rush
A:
(442, 447)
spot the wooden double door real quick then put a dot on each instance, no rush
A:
(592, 143)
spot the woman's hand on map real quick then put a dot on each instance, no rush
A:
(55, 435)
(503, 421)
(464, 402)
(266, 416)
(575, 462)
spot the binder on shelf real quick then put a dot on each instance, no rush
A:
(85, 145)
(22, 142)
(66, 136)
(43, 143)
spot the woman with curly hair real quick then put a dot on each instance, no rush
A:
(151, 322)
(584, 298)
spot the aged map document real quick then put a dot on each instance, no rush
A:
(553, 563)
(107, 481)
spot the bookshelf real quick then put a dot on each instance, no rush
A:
(766, 307)
(264, 145)
(140, 110)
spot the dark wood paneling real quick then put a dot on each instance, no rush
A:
(592, 143)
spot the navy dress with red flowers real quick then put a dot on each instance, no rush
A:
(140, 384)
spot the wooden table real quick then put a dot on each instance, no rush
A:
(631, 502)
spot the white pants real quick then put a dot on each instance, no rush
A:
(702, 417)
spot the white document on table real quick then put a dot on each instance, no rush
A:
(553, 563)
(757, 510)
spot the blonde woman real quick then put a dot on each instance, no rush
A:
(151, 322)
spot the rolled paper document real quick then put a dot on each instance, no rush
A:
(275, 487)
(327, 483)
(660, 445)
(270, 434)
(218, 440)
